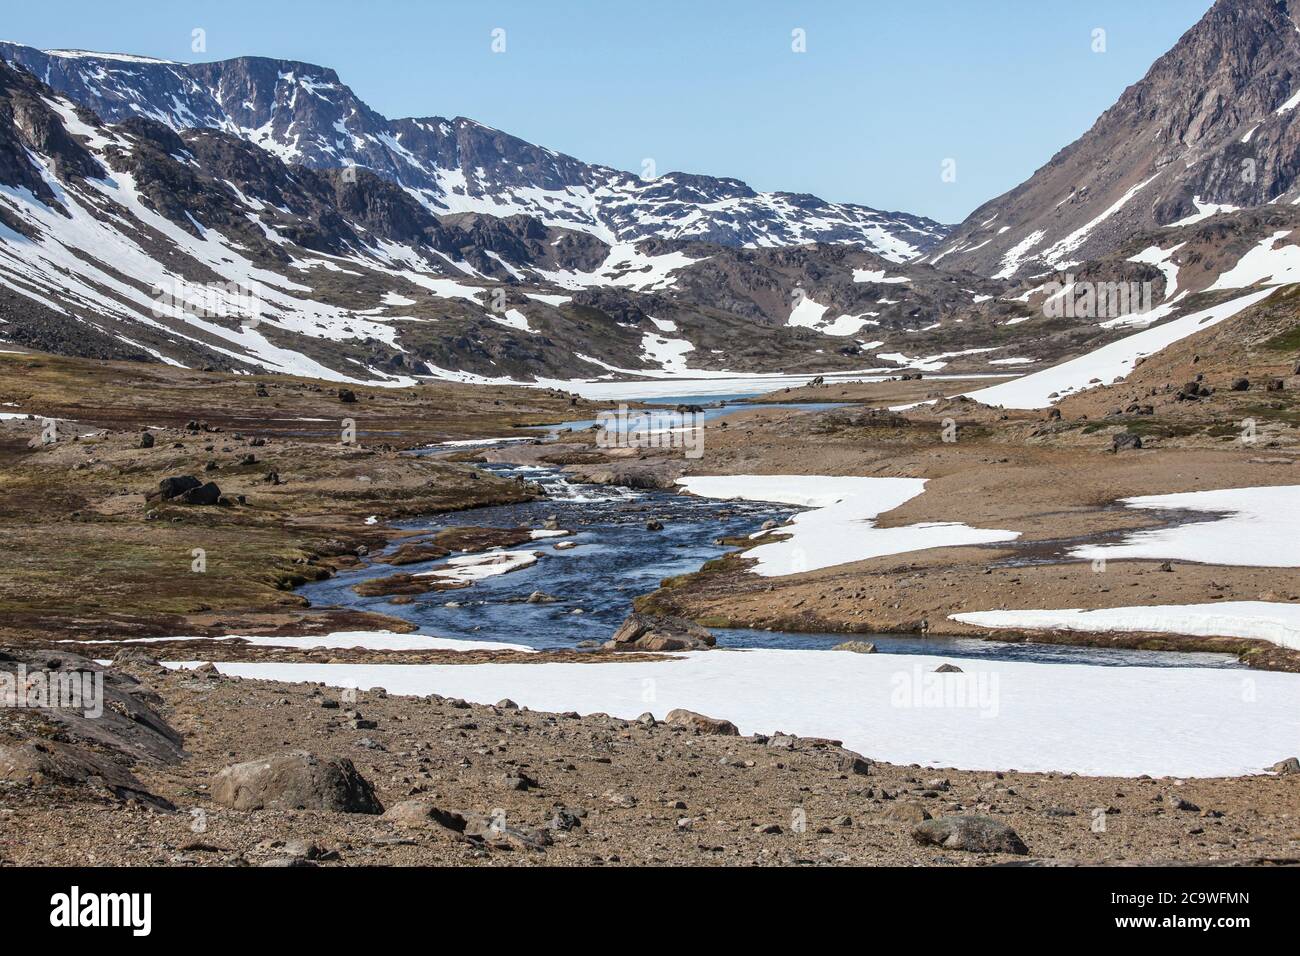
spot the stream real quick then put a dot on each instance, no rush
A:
(615, 558)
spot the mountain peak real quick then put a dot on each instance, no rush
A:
(304, 114)
(1212, 126)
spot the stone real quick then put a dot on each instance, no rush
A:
(701, 724)
(421, 814)
(970, 833)
(207, 494)
(904, 811)
(1241, 385)
(506, 703)
(856, 647)
(146, 440)
(177, 485)
(854, 763)
(297, 780)
(650, 632)
(347, 396)
(1125, 441)
(1286, 767)
(948, 669)
(1178, 803)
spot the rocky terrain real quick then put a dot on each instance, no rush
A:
(306, 115)
(1211, 128)
(246, 773)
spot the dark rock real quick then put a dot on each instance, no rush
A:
(948, 669)
(1125, 441)
(208, 494)
(177, 485)
(146, 440)
(649, 632)
(972, 834)
(854, 763)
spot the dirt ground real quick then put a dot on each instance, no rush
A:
(656, 795)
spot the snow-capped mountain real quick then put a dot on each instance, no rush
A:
(1214, 126)
(199, 248)
(305, 114)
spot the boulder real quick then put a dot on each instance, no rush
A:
(972, 834)
(420, 814)
(701, 724)
(1125, 441)
(854, 763)
(146, 439)
(1286, 767)
(208, 494)
(1241, 385)
(295, 781)
(176, 486)
(652, 632)
(948, 669)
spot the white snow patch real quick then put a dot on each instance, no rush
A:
(1261, 528)
(1109, 362)
(1103, 721)
(1256, 620)
(840, 529)
(468, 568)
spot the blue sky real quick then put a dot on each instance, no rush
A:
(885, 92)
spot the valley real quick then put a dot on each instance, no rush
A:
(781, 531)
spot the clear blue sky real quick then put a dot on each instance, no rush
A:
(887, 90)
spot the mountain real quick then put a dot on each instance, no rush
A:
(305, 115)
(1213, 127)
(200, 248)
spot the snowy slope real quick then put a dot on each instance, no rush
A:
(304, 114)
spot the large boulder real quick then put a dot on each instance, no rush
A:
(973, 834)
(208, 494)
(701, 724)
(176, 486)
(295, 781)
(654, 632)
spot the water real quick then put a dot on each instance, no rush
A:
(617, 558)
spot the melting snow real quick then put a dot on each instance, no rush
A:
(1105, 721)
(839, 530)
(1257, 620)
(1109, 362)
(1261, 528)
